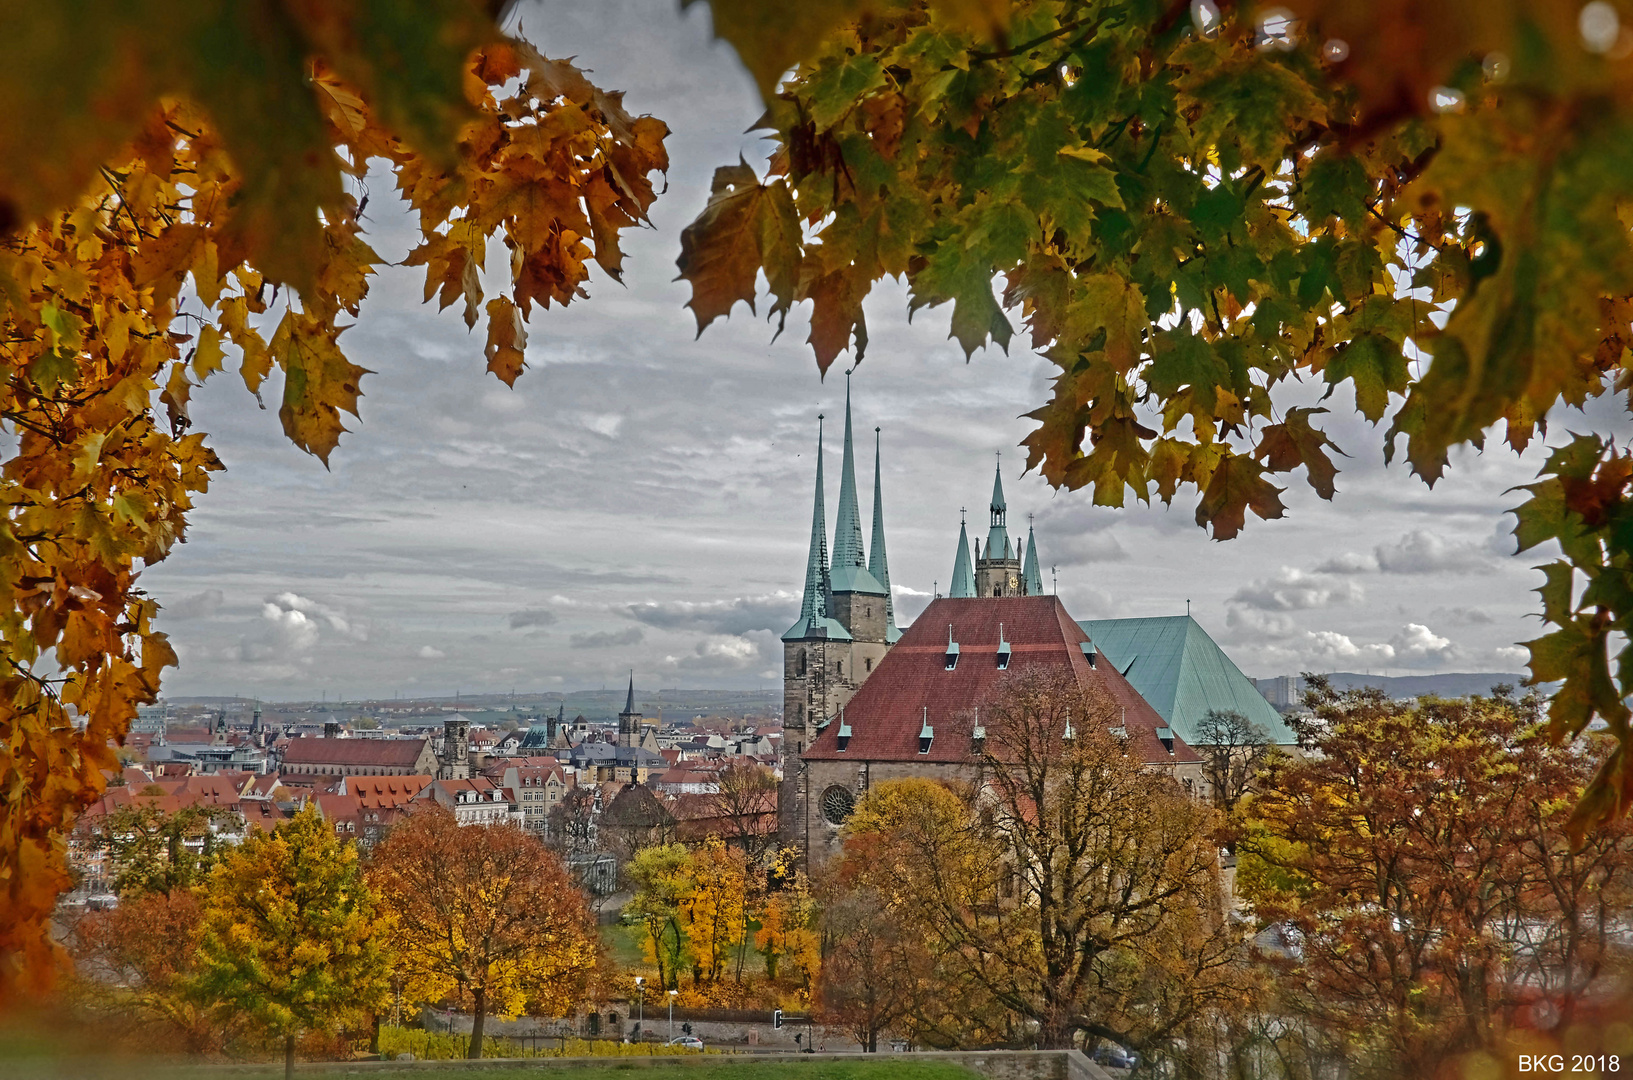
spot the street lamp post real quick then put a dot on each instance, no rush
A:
(640, 1004)
(672, 995)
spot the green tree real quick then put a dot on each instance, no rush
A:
(1198, 211)
(659, 875)
(289, 937)
(148, 847)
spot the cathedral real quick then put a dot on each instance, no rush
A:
(865, 701)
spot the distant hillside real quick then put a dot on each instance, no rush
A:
(1451, 684)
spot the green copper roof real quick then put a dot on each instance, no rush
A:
(1030, 571)
(963, 583)
(998, 535)
(878, 565)
(813, 612)
(1179, 669)
(850, 564)
(629, 706)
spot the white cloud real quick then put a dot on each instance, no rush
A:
(1333, 648)
(1418, 646)
(1512, 656)
(1255, 623)
(429, 652)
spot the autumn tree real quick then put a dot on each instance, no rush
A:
(659, 879)
(714, 910)
(484, 915)
(747, 801)
(1074, 891)
(136, 964)
(873, 965)
(288, 935)
(572, 821)
(786, 912)
(1232, 748)
(180, 191)
(148, 847)
(1421, 858)
(1197, 212)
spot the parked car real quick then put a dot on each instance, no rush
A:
(1115, 1057)
(690, 1042)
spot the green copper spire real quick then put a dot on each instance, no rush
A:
(813, 612)
(998, 536)
(850, 564)
(963, 583)
(1030, 572)
(878, 565)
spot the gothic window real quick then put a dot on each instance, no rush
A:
(867, 611)
(802, 663)
(867, 663)
(839, 667)
(837, 804)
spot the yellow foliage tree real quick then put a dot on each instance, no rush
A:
(288, 937)
(715, 911)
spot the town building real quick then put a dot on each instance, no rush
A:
(334, 756)
(918, 714)
(1184, 674)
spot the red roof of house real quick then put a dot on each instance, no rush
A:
(911, 684)
(376, 753)
(372, 792)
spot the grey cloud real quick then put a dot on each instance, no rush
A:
(1350, 562)
(1259, 623)
(1464, 616)
(200, 605)
(607, 639)
(729, 652)
(532, 617)
(771, 611)
(1424, 552)
(1296, 590)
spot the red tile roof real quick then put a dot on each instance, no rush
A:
(911, 684)
(372, 792)
(377, 753)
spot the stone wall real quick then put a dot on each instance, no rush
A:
(990, 1064)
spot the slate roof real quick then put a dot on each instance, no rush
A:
(1180, 670)
(911, 684)
(378, 753)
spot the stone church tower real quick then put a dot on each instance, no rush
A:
(847, 620)
(630, 721)
(1002, 571)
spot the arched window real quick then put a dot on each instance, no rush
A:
(801, 665)
(867, 663)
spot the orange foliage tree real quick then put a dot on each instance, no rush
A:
(207, 167)
(486, 916)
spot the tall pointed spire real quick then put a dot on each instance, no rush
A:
(963, 583)
(998, 535)
(813, 612)
(850, 564)
(629, 705)
(878, 565)
(1030, 572)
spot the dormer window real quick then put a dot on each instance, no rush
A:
(927, 734)
(1003, 649)
(844, 739)
(1166, 734)
(952, 649)
(1089, 652)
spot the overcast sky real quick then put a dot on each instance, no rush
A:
(642, 498)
